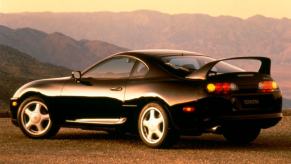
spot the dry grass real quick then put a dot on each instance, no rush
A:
(74, 145)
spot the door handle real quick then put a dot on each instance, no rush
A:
(116, 89)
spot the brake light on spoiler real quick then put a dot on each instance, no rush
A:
(267, 86)
(224, 88)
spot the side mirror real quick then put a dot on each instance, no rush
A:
(76, 75)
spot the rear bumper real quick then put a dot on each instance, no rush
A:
(261, 110)
(252, 117)
(259, 120)
(202, 123)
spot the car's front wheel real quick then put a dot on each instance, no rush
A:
(154, 127)
(34, 119)
(240, 134)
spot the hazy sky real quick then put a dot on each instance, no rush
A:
(239, 8)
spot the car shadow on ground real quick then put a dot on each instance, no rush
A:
(271, 143)
(76, 134)
(208, 141)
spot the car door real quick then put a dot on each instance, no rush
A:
(100, 91)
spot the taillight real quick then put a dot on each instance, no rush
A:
(267, 86)
(221, 87)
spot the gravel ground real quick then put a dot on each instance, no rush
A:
(75, 146)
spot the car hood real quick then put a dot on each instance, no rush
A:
(47, 87)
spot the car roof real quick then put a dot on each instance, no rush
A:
(151, 57)
(157, 53)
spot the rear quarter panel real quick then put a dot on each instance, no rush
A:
(171, 91)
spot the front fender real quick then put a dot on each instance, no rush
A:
(46, 87)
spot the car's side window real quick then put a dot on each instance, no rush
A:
(140, 70)
(114, 68)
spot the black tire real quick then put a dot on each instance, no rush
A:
(34, 119)
(154, 127)
(240, 135)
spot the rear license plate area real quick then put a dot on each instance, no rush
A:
(246, 103)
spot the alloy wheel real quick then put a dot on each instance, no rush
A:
(35, 118)
(152, 125)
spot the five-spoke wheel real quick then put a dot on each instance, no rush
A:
(153, 126)
(34, 119)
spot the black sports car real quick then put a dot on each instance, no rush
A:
(161, 94)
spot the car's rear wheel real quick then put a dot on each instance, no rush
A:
(240, 134)
(35, 120)
(154, 127)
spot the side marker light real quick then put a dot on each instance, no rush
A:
(14, 103)
(189, 109)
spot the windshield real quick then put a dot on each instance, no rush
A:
(184, 65)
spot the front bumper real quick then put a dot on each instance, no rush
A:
(14, 105)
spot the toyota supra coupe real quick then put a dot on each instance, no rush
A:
(158, 94)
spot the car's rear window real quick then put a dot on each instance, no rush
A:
(185, 65)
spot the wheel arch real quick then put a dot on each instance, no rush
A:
(32, 94)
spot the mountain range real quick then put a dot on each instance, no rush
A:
(57, 48)
(218, 36)
(17, 68)
(73, 40)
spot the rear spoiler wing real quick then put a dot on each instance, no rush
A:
(202, 73)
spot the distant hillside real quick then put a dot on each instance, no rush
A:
(287, 104)
(57, 48)
(222, 36)
(217, 36)
(17, 68)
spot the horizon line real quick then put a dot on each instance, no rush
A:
(139, 10)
